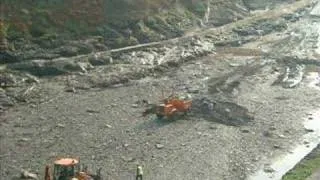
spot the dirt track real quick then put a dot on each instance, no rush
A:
(104, 126)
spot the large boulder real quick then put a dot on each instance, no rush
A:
(5, 101)
(100, 58)
(7, 80)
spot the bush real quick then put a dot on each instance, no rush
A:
(40, 23)
(49, 40)
(200, 9)
(132, 41)
(14, 33)
(77, 28)
(122, 42)
(37, 31)
(3, 29)
(108, 32)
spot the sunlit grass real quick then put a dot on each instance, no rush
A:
(304, 169)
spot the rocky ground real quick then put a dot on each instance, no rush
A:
(246, 79)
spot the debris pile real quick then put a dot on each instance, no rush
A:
(228, 113)
(291, 77)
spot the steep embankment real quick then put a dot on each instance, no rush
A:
(50, 29)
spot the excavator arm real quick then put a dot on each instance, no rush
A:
(47, 175)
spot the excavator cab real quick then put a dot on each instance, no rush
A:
(170, 106)
(173, 105)
(165, 110)
(65, 169)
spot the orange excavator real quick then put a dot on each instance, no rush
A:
(170, 107)
(173, 106)
(69, 169)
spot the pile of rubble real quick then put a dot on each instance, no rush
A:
(228, 113)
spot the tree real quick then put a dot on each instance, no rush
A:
(3, 36)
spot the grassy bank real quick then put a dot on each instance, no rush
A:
(306, 167)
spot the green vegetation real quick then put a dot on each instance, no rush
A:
(146, 20)
(304, 169)
(3, 30)
(14, 33)
(40, 22)
(3, 35)
(200, 9)
(76, 28)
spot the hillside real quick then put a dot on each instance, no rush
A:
(250, 68)
(117, 23)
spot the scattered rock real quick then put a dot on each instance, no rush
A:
(71, 89)
(256, 159)
(5, 101)
(306, 142)
(7, 80)
(193, 90)
(32, 79)
(127, 159)
(53, 154)
(108, 126)
(134, 105)
(52, 67)
(267, 134)
(272, 128)
(281, 136)
(144, 101)
(282, 98)
(234, 64)
(213, 127)
(125, 145)
(245, 130)
(92, 111)
(292, 76)
(277, 146)
(24, 139)
(61, 125)
(27, 175)
(287, 131)
(309, 130)
(268, 169)
(159, 146)
(98, 59)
